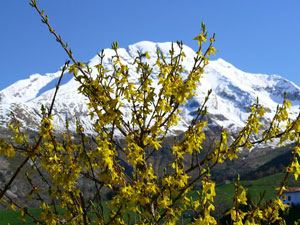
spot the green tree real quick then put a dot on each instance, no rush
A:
(153, 199)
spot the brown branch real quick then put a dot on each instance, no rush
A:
(33, 3)
(7, 186)
(58, 85)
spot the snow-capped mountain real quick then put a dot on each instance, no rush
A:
(233, 92)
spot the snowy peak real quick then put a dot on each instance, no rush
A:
(233, 91)
(27, 89)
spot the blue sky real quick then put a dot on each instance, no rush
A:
(258, 36)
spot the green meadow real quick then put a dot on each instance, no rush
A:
(223, 200)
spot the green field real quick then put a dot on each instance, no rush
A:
(223, 199)
(13, 217)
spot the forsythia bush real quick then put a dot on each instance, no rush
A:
(152, 199)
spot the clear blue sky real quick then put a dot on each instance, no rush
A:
(258, 36)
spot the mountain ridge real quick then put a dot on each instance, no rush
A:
(233, 92)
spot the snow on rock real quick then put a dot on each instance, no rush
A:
(233, 92)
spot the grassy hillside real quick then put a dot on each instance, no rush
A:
(265, 185)
(223, 201)
(13, 218)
